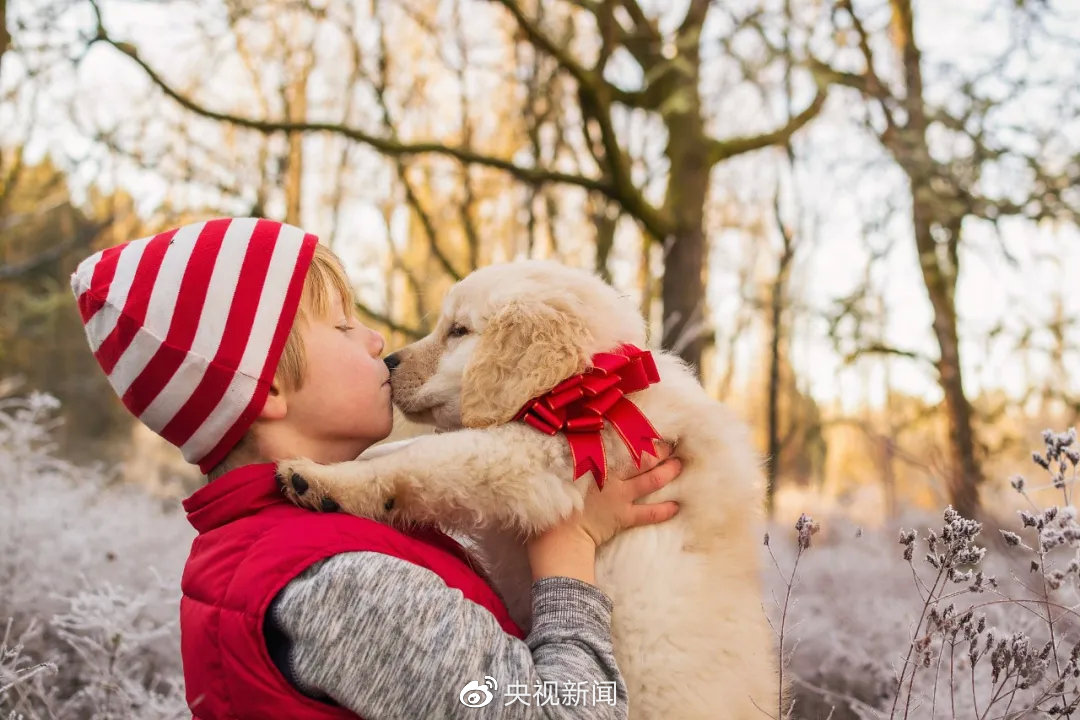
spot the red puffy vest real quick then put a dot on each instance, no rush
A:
(251, 543)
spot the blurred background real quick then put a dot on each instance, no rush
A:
(856, 218)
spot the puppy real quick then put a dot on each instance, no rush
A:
(690, 635)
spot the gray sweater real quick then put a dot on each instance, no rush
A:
(389, 640)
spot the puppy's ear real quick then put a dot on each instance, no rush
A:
(525, 350)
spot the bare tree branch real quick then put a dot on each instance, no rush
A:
(412, 197)
(384, 145)
(695, 17)
(882, 349)
(595, 96)
(592, 79)
(540, 39)
(642, 41)
(721, 150)
(875, 86)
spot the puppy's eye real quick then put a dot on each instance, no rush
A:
(457, 330)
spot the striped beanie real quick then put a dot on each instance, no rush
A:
(189, 325)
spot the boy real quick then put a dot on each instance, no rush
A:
(235, 340)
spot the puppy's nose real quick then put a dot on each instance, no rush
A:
(392, 361)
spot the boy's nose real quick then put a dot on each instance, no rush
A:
(392, 361)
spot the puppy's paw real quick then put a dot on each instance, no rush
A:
(348, 487)
(304, 483)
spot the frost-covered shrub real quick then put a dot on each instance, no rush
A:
(945, 623)
(89, 583)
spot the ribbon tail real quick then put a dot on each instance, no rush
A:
(588, 453)
(634, 428)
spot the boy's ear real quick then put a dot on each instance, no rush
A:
(275, 406)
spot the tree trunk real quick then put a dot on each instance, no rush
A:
(888, 475)
(772, 459)
(888, 450)
(605, 222)
(4, 37)
(683, 287)
(940, 271)
(293, 179)
(646, 280)
(683, 292)
(964, 471)
(776, 321)
(296, 106)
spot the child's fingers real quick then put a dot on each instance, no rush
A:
(652, 513)
(656, 478)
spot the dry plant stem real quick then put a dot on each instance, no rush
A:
(974, 694)
(1021, 601)
(919, 584)
(783, 621)
(952, 678)
(911, 646)
(997, 691)
(1012, 696)
(910, 685)
(1046, 695)
(937, 671)
(1046, 596)
(1049, 616)
(26, 675)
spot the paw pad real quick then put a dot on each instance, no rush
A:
(299, 484)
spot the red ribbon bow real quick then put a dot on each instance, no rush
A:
(579, 405)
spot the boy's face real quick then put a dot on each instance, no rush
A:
(343, 404)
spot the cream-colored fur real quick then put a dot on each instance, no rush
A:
(690, 634)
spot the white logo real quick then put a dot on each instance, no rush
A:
(476, 695)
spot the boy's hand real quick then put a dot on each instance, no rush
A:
(569, 548)
(615, 508)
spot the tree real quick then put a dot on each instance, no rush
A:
(776, 304)
(948, 151)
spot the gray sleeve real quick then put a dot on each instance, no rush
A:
(389, 640)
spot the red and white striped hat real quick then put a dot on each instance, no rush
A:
(189, 325)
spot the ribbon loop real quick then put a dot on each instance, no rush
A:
(579, 406)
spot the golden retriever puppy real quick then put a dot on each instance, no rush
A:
(690, 634)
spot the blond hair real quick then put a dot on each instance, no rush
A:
(325, 280)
